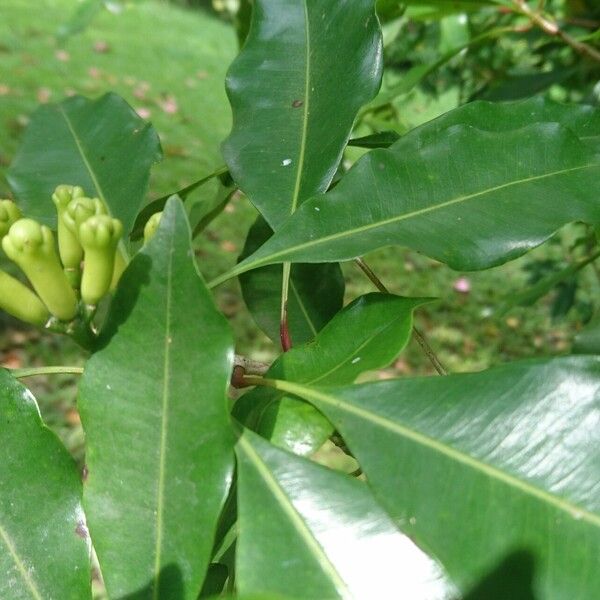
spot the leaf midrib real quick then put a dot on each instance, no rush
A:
(296, 520)
(302, 306)
(29, 582)
(163, 434)
(397, 218)
(306, 106)
(421, 439)
(84, 157)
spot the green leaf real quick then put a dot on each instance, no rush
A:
(367, 335)
(472, 199)
(159, 204)
(479, 466)
(203, 212)
(44, 544)
(154, 411)
(588, 340)
(293, 113)
(308, 532)
(316, 292)
(533, 293)
(582, 120)
(101, 145)
(383, 139)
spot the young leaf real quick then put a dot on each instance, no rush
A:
(368, 334)
(473, 199)
(308, 532)
(101, 145)
(316, 292)
(44, 544)
(293, 113)
(154, 410)
(481, 465)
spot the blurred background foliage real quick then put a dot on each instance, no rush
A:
(169, 59)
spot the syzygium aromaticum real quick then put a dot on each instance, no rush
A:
(31, 246)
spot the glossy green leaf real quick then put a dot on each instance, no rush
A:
(582, 120)
(316, 292)
(293, 112)
(473, 199)
(154, 411)
(101, 145)
(308, 532)
(367, 335)
(479, 466)
(44, 544)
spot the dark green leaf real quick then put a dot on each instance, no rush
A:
(533, 293)
(44, 544)
(316, 292)
(472, 199)
(308, 532)
(293, 113)
(383, 139)
(101, 145)
(588, 340)
(582, 120)
(367, 335)
(159, 204)
(479, 466)
(205, 211)
(154, 410)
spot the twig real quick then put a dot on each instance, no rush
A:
(437, 365)
(552, 28)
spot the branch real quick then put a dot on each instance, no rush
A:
(552, 28)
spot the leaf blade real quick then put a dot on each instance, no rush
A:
(328, 524)
(183, 442)
(316, 292)
(101, 145)
(366, 335)
(40, 506)
(415, 195)
(294, 93)
(514, 439)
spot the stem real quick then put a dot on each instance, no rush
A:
(284, 329)
(551, 28)
(427, 349)
(32, 371)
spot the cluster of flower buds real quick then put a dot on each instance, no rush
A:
(86, 264)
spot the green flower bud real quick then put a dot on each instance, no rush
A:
(31, 246)
(68, 246)
(19, 301)
(9, 213)
(151, 226)
(99, 236)
(80, 210)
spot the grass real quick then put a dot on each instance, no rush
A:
(170, 64)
